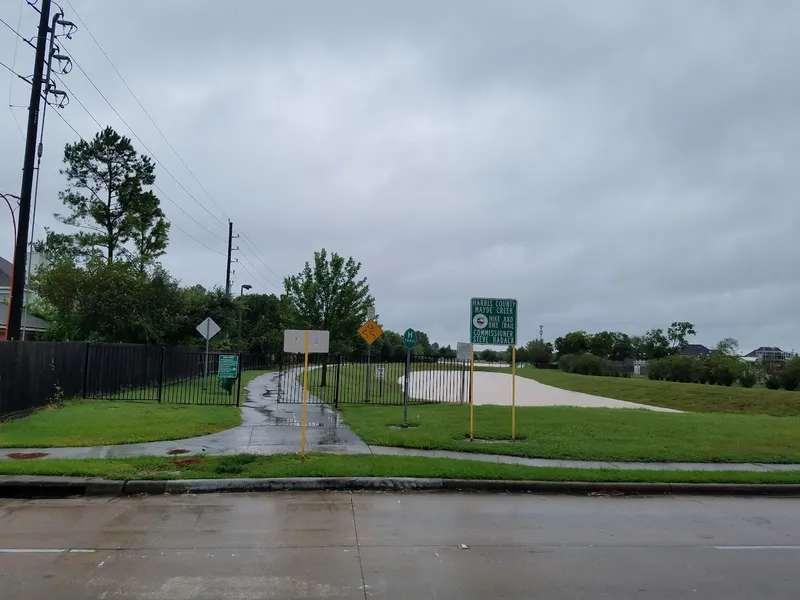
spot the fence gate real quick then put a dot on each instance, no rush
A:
(337, 380)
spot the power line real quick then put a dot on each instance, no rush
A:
(14, 66)
(136, 98)
(150, 152)
(17, 33)
(162, 192)
(264, 277)
(161, 133)
(78, 100)
(13, 72)
(245, 240)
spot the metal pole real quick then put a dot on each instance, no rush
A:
(14, 324)
(514, 393)
(405, 389)
(205, 362)
(305, 400)
(472, 392)
(463, 373)
(228, 264)
(369, 356)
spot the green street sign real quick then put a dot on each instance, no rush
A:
(493, 321)
(228, 366)
(410, 339)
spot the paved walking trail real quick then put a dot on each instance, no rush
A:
(495, 389)
(272, 428)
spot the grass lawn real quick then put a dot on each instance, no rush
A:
(101, 422)
(286, 465)
(585, 433)
(692, 397)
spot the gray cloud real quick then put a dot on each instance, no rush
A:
(613, 165)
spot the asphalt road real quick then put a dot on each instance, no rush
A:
(338, 545)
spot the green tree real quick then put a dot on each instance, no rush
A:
(538, 352)
(727, 346)
(655, 344)
(602, 344)
(575, 342)
(677, 334)
(107, 202)
(329, 295)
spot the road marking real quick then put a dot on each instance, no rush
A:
(46, 551)
(757, 547)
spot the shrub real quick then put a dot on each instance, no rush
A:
(655, 369)
(748, 376)
(789, 375)
(721, 369)
(588, 364)
(680, 368)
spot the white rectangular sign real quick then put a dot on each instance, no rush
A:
(462, 352)
(294, 341)
(380, 372)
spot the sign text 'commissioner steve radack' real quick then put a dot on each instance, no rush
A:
(493, 321)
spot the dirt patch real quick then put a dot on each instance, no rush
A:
(178, 451)
(401, 427)
(27, 455)
(185, 462)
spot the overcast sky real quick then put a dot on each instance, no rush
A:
(612, 165)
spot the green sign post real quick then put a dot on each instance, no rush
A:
(228, 366)
(410, 339)
(493, 321)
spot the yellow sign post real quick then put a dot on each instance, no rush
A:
(471, 392)
(513, 393)
(305, 399)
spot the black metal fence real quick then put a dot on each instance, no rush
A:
(35, 374)
(341, 380)
(170, 375)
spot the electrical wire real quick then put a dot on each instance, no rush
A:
(150, 152)
(162, 192)
(136, 98)
(260, 275)
(13, 72)
(161, 133)
(245, 240)
(18, 34)
(14, 66)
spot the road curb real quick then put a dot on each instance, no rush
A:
(65, 487)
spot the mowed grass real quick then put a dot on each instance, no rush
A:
(692, 397)
(292, 465)
(600, 434)
(102, 422)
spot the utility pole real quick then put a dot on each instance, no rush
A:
(541, 333)
(231, 260)
(14, 324)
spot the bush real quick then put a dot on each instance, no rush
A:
(588, 364)
(748, 376)
(655, 369)
(721, 369)
(789, 375)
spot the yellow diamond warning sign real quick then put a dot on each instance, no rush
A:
(370, 331)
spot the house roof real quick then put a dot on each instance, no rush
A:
(31, 322)
(762, 349)
(695, 350)
(5, 273)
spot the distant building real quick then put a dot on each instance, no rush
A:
(6, 267)
(769, 353)
(34, 326)
(695, 350)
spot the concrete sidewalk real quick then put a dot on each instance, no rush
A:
(272, 428)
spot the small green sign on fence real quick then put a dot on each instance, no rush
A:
(228, 366)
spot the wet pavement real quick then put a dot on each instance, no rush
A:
(268, 427)
(361, 546)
